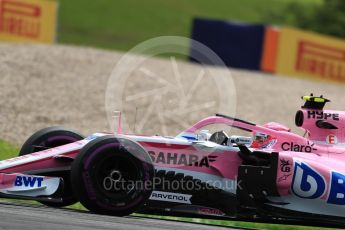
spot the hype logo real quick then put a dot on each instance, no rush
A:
(307, 183)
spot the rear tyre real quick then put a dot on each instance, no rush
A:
(49, 138)
(112, 175)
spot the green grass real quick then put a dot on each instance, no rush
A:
(121, 24)
(8, 150)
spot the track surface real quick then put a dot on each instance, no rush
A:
(23, 216)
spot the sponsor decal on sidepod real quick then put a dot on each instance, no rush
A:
(290, 146)
(309, 184)
(181, 159)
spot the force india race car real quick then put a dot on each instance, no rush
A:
(271, 175)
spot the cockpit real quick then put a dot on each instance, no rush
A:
(222, 138)
(259, 136)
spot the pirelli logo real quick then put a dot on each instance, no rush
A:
(28, 21)
(20, 18)
(322, 61)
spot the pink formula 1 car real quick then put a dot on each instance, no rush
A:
(269, 175)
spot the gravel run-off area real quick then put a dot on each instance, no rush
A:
(44, 85)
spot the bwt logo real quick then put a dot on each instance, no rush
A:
(28, 181)
(309, 184)
(20, 18)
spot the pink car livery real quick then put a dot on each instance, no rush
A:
(270, 175)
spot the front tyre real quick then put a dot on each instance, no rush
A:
(112, 175)
(49, 138)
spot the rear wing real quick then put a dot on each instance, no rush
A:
(312, 102)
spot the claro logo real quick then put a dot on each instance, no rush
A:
(290, 146)
(181, 159)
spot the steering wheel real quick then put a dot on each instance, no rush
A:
(219, 137)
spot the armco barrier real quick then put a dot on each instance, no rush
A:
(311, 56)
(28, 20)
(237, 44)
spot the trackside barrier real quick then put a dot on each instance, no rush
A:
(30, 21)
(237, 44)
(270, 49)
(285, 51)
(311, 56)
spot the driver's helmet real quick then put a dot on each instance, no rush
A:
(261, 140)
